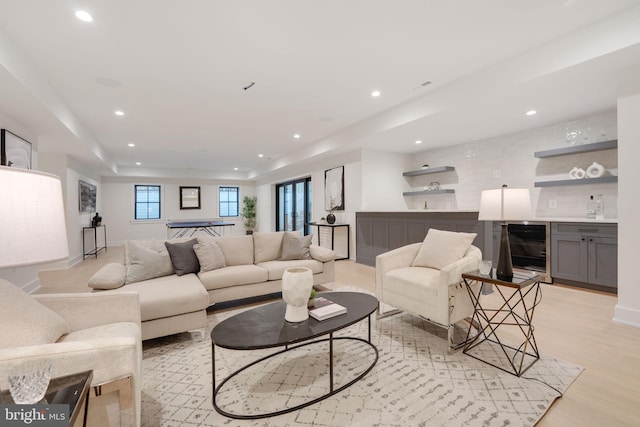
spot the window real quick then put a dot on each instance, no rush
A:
(147, 201)
(229, 201)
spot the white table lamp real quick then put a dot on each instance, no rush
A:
(32, 222)
(505, 204)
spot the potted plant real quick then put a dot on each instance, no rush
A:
(249, 213)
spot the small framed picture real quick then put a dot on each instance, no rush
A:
(87, 196)
(15, 152)
(189, 197)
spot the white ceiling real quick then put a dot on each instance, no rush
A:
(177, 70)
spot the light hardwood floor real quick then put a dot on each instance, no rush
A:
(571, 324)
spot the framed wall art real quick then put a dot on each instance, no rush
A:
(189, 197)
(86, 197)
(15, 152)
(334, 189)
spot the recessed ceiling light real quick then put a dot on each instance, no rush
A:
(84, 16)
(131, 144)
(531, 112)
(119, 113)
(418, 142)
(296, 136)
(375, 93)
(138, 163)
(235, 169)
(260, 155)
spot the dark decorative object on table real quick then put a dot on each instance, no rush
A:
(96, 221)
(331, 218)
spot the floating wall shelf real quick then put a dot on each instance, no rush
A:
(577, 149)
(427, 192)
(584, 181)
(427, 171)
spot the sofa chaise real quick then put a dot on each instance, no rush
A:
(178, 279)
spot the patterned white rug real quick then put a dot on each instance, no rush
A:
(414, 383)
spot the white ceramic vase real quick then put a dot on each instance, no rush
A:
(596, 170)
(297, 283)
(576, 173)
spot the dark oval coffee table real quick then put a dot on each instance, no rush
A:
(265, 327)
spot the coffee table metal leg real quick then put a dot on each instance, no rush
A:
(331, 362)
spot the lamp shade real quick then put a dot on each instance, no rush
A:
(32, 223)
(505, 204)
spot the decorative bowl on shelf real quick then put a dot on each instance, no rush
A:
(29, 381)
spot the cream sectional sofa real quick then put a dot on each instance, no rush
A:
(173, 302)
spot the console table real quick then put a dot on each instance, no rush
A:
(96, 249)
(333, 228)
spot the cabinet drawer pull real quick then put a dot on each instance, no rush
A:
(588, 230)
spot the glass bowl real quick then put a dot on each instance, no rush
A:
(29, 381)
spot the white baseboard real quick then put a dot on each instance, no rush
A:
(626, 315)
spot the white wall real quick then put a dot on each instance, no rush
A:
(382, 181)
(118, 206)
(509, 159)
(628, 308)
(352, 189)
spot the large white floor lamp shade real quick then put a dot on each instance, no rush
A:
(32, 221)
(505, 204)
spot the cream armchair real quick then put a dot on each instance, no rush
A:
(435, 294)
(76, 332)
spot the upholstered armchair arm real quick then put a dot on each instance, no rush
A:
(396, 258)
(86, 310)
(321, 253)
(109, 357)
(452, 273)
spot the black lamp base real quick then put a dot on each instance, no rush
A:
(504, 269)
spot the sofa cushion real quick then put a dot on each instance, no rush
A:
(210, 256)
(233, 275)
(110, 276)
(417, 283)
(25, 321)
(183, 257)
(277, 268)
(146, 260)
(295, 246)
(441, 248)
(267, 246)
(169, 296)
(238, 250)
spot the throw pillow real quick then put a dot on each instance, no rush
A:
(25, 321)
(441, 248)
(295, 246)
(209, 255)
(183, 257)
(144, 263)
(267, 246)
(111, 276)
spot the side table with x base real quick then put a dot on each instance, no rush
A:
(518, 300)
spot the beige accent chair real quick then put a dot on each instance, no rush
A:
(425, 279)
(76, 332)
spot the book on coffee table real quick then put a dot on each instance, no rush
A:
(323, 308)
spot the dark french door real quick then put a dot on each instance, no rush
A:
(293, 205)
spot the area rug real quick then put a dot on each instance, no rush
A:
(416, 382)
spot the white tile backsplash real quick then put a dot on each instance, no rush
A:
(509, 159)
